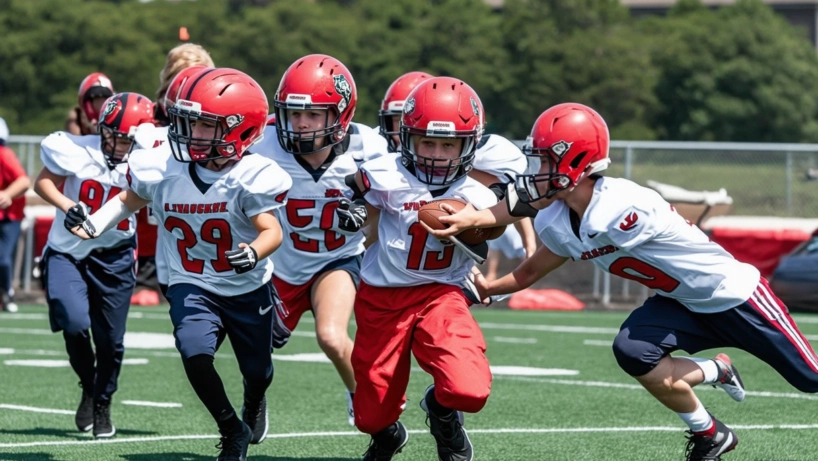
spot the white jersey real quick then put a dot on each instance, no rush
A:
(309, 216)
(206, 213)
(500, 158)
(405, 255)
(88, 180)
(160, 258)
(631, 231)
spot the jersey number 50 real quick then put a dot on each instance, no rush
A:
(332, 239)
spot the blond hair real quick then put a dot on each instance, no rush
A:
(183, 56)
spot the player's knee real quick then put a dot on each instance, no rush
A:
(635, 357)
(470, 396)
(76, 326)
(333, 342)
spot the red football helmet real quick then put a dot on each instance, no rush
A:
(441, 107)
(568, 142)
(393, 102)
(176, 85)
(227, 98)
(121, 114)
(271, 119)
(317, 82)
(95, 85)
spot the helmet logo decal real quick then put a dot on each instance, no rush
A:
(474, 107)
(343, 88)
(109, 109)
(409, 107)
(233, 120)
(559, 148)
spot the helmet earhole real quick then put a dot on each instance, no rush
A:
(577, 160)
(246, 134)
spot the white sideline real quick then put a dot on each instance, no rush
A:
(144, 403)
(704, 387)
(548, 430)
(35, 409)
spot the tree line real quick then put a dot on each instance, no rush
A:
(738, 73)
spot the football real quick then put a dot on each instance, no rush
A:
(432, 211)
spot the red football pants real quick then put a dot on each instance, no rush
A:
(434, 323)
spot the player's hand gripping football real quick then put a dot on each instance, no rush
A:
(242, 260)
(76, 221)
(351, 215)
(458, 221)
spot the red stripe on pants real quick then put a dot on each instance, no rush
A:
(434, 323)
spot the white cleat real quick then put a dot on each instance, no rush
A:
(350, 411)
(728, 378)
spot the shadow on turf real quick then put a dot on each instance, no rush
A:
(70, 434)
(29, 457)
(192, 457)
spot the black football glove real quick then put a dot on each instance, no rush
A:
(351, 215)
(77, 215)
(243, 260)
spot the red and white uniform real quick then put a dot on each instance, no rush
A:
(205, 213)
(631, 231)
(410, 300)
(309, 244)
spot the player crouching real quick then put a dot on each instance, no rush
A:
(410, 301)
(211, 201)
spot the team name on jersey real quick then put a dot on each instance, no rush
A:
(413, 206)
(597, 252)
(196, 208)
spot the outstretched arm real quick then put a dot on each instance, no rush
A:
(245, 258)
(529, 271)
(115, 210)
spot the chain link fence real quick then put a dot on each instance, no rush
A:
(762, 179)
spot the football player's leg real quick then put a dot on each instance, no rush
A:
(381, 356)
(333, 296)
(197, 328)
(642, 348)
(111, 281)
(763, 327)
(294, 302)
(449, 345)
(248, 321)
(67, 298)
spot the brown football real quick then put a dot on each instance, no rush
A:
(431, 212)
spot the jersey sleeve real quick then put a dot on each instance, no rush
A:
(145, 172)
(61, 155)
(374, 145)
(480, 196)
(265, 189)
(500, 158)
(376, 176)
(543, 224)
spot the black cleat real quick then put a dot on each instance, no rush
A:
(453, 442)
(233, 445)
(387, 443)
(705, 448)
(84, 419)
(255, 416)
(103, 428)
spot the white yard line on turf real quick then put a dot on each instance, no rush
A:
(7, 406)
(597, 342)
(549, 328)
(504, 339)
(547, 430)
(576, 382)
(143, 403)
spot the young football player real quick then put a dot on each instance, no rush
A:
(83, 118)
(410, 300)
(705, 299)
(88, 285)
(215, 204)
(316, 142)
(496, 162)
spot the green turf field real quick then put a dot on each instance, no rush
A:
(596, 414)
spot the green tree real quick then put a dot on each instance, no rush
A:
(740, 73)
(583, 51)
